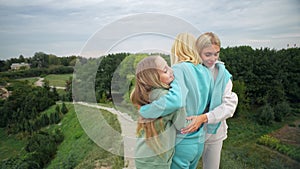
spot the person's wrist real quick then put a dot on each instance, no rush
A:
(205, 118)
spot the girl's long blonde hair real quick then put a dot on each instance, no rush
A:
(147, 79)
(184, 49)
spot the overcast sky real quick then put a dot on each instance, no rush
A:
(64, 27)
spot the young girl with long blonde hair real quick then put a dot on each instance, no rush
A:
(155, 137)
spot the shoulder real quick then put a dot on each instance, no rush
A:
(222, 69)
(157, 93)
(220, 64)
(182, 65)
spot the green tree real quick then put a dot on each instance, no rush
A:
(57, 108)
(54, 60)
(21, 58)
(281, 110)
(56, 117)
(68, 90)
(266, 115)
(64, 108)
(55, 93)
(40, 60)
(45, 120)
(106, 71)
(239, 87)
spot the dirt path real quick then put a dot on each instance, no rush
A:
(4, 93)
(128, 127)
(39, 82)
(289, 134)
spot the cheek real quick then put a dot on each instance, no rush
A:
(206, 64)
(205, 60)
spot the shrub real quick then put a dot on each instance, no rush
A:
(273, 143)
(268, 141)
(281, 110)
(265, 115)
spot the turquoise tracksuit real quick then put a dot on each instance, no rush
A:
(161, 158)
(190, 89)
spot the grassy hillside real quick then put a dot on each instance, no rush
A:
(9, 145)
(77, 150)
(241, 150)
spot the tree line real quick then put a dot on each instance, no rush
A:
(40, 64)
(39, 60)
(266, 80)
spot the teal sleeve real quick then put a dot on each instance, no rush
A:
(179, 118)
(170, 102)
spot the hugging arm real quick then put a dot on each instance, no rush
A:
(226, 109)
(220, 113)
(173, 100)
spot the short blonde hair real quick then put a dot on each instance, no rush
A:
(184, 49)
(206, 40)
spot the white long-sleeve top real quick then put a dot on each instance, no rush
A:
(222, 112)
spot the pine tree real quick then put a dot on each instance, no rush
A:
(57, 109)
(56, 117)
(64, 108)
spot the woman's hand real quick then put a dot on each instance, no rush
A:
(138, 107)
(195, 124)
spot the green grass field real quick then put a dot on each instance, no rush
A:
(58, 80)
(240, 149)
(31, 80)
(9, 145)
(78, 150)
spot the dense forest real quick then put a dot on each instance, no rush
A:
(266, 81)
(20, 113)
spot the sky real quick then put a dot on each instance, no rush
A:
(66, 27)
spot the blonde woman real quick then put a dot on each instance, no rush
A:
(156, 137)
(190, 90)
(223, 101)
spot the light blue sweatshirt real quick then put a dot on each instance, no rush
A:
(166, 127)
(220, 83)
(191, 89)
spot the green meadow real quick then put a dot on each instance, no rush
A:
(58, 80)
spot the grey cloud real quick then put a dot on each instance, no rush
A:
(27, 24)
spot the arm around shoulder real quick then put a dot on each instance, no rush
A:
(173, 100)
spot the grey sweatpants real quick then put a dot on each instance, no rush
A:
(211, 155)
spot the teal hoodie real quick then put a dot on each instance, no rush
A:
(191, 89)
(146, 157)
